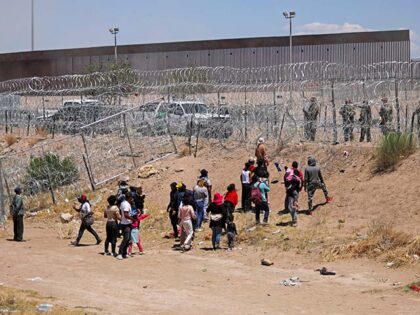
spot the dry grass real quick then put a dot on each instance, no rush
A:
(34, 140)
(382, 242)
(25, 302)
(41, 132)
(10, 139)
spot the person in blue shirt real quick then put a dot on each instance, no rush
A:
(261, 205)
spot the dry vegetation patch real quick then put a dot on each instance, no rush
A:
(382, 242)
(10, 139)
(13, 301)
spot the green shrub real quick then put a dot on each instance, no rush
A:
(393, 148)
(49, 167)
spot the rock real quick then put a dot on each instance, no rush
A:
(146, 171)
(66, 217)
(179, 170)
(266, 262)
(341, 221)
(377, 251)
(390, 264)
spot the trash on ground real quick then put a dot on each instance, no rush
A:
(44, 307)
(251, 229)
(323, 271)
(34, 279)
(291, 282)
(266, 262)
(414, 287)
(390, 264)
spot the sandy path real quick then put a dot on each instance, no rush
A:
(198, 282)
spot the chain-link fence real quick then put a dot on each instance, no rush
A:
(98, 126)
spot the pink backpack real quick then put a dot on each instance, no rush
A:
(256, 195)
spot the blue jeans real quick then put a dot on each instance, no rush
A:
(217, 233)
(200, 213)
(264, 207)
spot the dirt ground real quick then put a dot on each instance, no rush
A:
(165, 281)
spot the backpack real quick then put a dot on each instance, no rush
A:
(256, 195)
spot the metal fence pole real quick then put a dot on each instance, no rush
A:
(335, 138)
(397, 106)
(2, 201)
(87, 158)
(129, 140)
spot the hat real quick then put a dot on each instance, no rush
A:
(218, 199)
(179, 185)
(18, 190)
(82, 198)
(260, 140)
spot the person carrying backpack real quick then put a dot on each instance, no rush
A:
(259, 198)
(292, 183)
(218, 216)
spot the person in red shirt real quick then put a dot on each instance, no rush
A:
(231, 198)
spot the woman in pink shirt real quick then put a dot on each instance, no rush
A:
(186, 215)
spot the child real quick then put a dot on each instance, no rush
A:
(293, 183)
(231, 199)
(231, 233)
(135, 232)
(186, 214)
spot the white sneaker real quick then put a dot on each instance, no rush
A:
(120, 257)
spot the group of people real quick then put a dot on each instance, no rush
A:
(256, 185)
(123, 215)
(188, 209)
(348, 113)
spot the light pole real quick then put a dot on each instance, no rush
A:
(32, 25)
(290, 15)
(114, 31)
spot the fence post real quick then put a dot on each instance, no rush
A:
(129, 140)
(397, 106)
(11, 122)
(335, 137)
(53, 128)
(6, 118)
(87, 158)
(29, 125)
(92, 184)
(196, 142)
(245, 113)
(171, 136)
(2, 203)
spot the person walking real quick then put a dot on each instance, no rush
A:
(347, 113)
(314, 181)
(231, 232)
(292, 182)
(172, 209)
(365, 121)
(385, 112)
(86, 215)
(259, 198)
(18, 212)
(218, 214)
(112, 214)
(201, 196)
(310, 115)
(186, 215)
(231, 199)
(246, 188)
(126, 221)
(261, 152)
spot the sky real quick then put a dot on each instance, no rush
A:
(85, 23)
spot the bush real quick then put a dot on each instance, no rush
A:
(49, 167)
(393, 148)
(10, 139)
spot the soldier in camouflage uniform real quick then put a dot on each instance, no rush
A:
(310, 119)
(365, 121)
(386, 116)
(348, 112)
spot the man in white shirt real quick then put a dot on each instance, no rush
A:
(126, 221)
